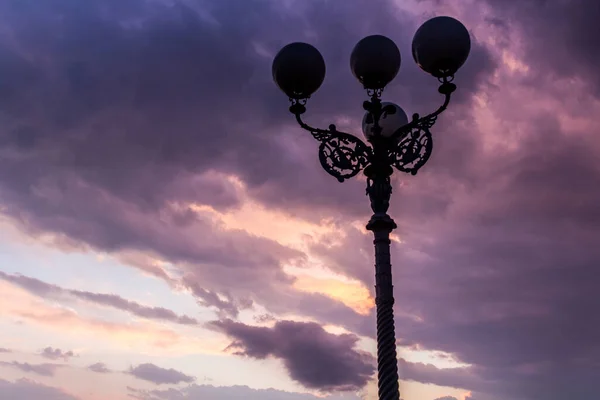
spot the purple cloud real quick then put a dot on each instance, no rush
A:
(46, 290)
(99, 367)
(152, 373)
(207, 298)
(55, 354)
(24, 389)
(565, 50)
(227, 393)
(511, 262)
(39, 369)
(263, 318)
(313, 357)
(111, 300)
(499, 247)
(162, 138)
(452, 377)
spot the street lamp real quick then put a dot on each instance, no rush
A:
(440, 47)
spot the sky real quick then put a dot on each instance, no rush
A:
(167, 232)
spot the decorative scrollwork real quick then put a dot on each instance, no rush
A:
(374, 93)
(413, 151)
(320, 134)
(427, 122)
(343, 155)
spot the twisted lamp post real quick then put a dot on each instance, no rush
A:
(440, 47)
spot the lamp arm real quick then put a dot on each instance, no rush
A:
(447, 88)
(319, 134)
(413, 143)
(341, 154)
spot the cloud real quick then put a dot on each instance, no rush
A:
(447, 377)
(227, 393)
(565, 28)
(143, 336)
(24, 389)
(3, 350)
(55, 354)
(152, 373)
(99, 367)
(498, 235)
(313, 357)
(504, 255)
(278, 300)
(39, 369)
(496, 262)
(158, 313)
(447, 398)
(46, 290)
(126, 145)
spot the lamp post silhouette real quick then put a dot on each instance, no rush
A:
(440, 47)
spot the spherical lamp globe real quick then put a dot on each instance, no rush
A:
(441, 46)
(298, 70)
(375, 61)
(392, 118)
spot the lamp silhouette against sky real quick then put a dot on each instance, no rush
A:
(440, 47)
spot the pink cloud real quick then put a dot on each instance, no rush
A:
(46, 290)
(39, 369)
(160, 376)
(152, 337)
(99, 367)
(25, 389)
(55, 354)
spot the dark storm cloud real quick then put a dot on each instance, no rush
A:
(562, 36)
(56, 354)
(46, 290)
(152, 373)
(313, 357)
(117, 114)
(135, 99)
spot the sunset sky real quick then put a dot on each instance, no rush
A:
(167, 232)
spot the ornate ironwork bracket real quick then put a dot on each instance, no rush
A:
(341, 154)
(414, 143)
(344, 155)
(414, 149)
